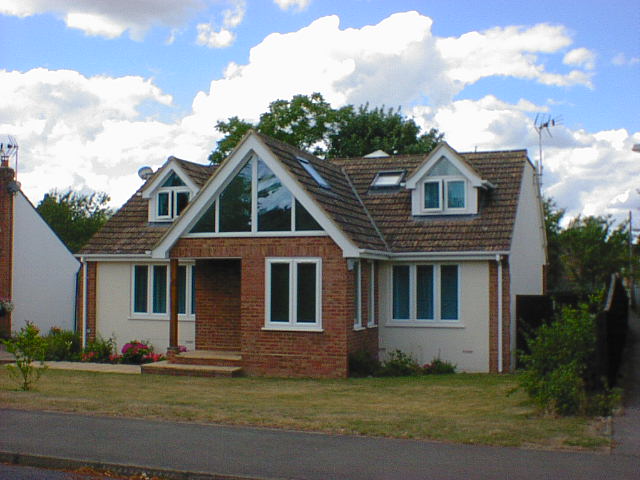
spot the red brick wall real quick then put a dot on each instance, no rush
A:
(6, 244)
(218, 305)
(282, 353)
(493, 317)
(91, 301)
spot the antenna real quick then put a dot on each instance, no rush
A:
(8, 149)
(543, 123)
(145, 172)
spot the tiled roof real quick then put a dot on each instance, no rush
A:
(372, 219)
(128, 231)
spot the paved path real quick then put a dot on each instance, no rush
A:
(233, 452)
(626, 427)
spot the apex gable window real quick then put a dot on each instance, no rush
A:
(255, 201)
(293, 294)
(172, 198)
(150, 290)
(424, 294)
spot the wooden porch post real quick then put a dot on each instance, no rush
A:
(173, 304)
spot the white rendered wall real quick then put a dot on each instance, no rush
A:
(527, 248)
(113, 312)
(44, 272)
(465, 343)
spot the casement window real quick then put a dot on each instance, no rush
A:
(293, 294)
(444, 189)
(150, 292)
(255, 201)
(172, 198)
(357, 289)
(425, 293)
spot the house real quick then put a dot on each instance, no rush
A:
(293, 263)
(37, 272)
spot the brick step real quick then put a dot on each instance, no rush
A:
(166, 368)
(208, 357)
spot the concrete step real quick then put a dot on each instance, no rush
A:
(208, 357)
(166, 368)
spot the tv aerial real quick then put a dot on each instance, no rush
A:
(8, 149)
(544, 123)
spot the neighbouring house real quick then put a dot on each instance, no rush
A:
(38, 273)
(292, 262)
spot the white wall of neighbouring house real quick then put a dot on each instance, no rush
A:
(464, 342)
(113, 312)
(44, 272)
(528, 253)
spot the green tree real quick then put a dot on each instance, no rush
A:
(552, 217)
(310, 123)
(74, 216)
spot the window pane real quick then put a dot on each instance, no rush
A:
(432, 195)
(159, 289)
(274, 202)
(279, 292)
(207, 222)
(306, 293)
(193, 289)
(140, 276)
(182, 289)
(304, 220)
(401, 292)
(235, 203)
(424, 300)
(182, 200)
(455, 194)
(442, 168)
(163, 204)
(449, 292)
(173, 181)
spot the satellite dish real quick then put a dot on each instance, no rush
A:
(145, 172)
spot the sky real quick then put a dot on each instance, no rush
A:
(94, 90)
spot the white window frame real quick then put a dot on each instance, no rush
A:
(357, 272)
(371, 321)
(189, 315)
(413, 319)
(443, 194)
(173, 201)
(293, 324)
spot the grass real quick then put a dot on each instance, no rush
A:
(462, 408)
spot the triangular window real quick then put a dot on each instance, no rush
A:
(173, 180)
(443, 168)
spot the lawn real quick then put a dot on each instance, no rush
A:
(461, 408)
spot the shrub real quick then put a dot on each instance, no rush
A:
(28, 347)
(557, 373)
(399, 364)
(438, 367)
(62, 345)
(137, 352)
(98, 350)
(363, 364)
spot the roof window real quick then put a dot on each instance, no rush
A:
(311, 170)
(388, 179)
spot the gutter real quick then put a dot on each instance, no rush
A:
(85, 283)
(431, 256)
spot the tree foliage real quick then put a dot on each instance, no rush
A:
(310, 123)
(75, 216)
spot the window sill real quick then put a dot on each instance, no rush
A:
(359, 329)
(162, 318)
(372, 325)
(426, 324)
(289, 328)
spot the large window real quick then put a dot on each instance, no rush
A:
(255, 201)
(150, 293)
(172, 198)
(423, 293)
(293, 293)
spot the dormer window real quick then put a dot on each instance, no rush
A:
(172, 198)
(444, 189)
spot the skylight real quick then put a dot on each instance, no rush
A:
(313, 172)
(387, 179)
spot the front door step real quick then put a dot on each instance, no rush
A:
(167, 368)
(207, 357)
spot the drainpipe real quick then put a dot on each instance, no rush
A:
(85, 282)
(499, 261)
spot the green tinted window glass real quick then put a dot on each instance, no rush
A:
(173, 181)
(235, 203)
(140, 278)
(401, 292)
(182, 289)
(274, 202)
(449, 292)
(159, 289)
(304, 220)
(432, 195)
(163, 204)
(207, 222)
(279, 292)
(306, 293)
(424, 300)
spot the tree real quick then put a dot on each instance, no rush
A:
(552, 218)
(310, 123)
(75, 216)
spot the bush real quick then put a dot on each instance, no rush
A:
(62, 345)
(438, 367)
(27, 346)
(363, 364)
(137, 353)
(98, 351)
(557, 373)
(399, 364)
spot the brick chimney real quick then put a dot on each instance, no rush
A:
(7, 177)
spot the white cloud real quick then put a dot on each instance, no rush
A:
(620, 60)
(298, 4)
(108, 18)
(580, 57)
(211, 38)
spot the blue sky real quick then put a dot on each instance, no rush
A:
(94, 90)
